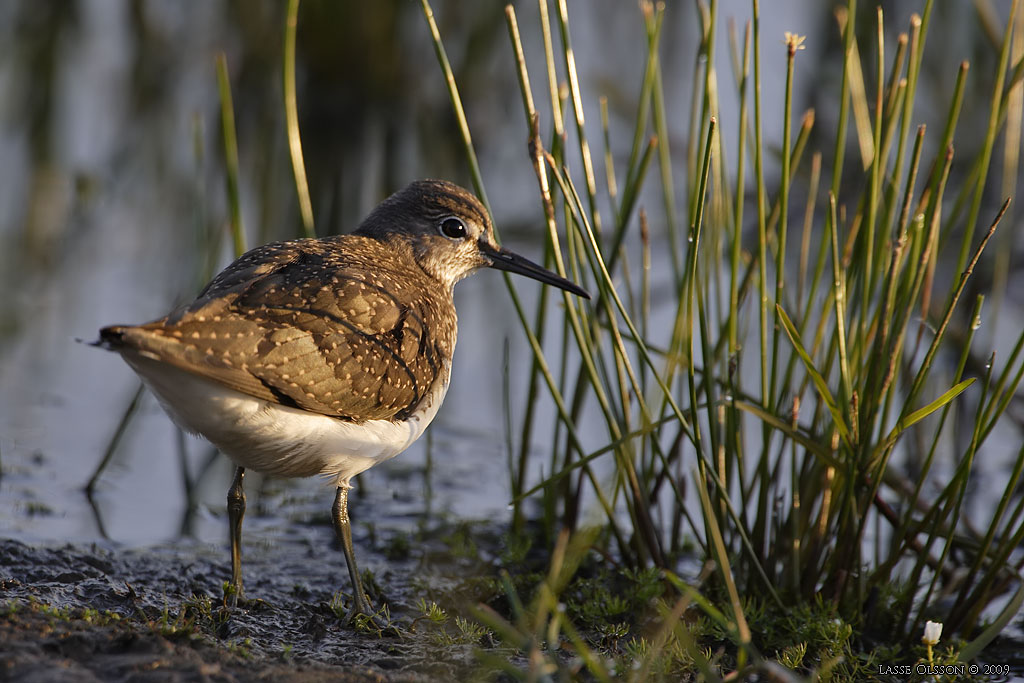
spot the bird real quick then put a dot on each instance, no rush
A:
(324, 356)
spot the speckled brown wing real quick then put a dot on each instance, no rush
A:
(308, 324)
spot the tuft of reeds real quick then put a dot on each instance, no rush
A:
(787, 428)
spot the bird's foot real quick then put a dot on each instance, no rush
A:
(363, 618)
(234, 598)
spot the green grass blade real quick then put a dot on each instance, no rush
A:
(227, 117)
(819, 382)
(291, 116)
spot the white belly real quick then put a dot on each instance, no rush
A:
(275, 439)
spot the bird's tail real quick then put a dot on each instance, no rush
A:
(111, 338)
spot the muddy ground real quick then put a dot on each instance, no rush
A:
(92, 613)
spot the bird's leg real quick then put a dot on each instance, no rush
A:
(343, 529)
(236, 510)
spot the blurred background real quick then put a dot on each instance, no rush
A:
(113, 210)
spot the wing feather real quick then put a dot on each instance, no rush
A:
(305, 323)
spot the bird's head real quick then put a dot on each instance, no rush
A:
(451, 234)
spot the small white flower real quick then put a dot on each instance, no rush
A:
(794, 42)
(932, 633)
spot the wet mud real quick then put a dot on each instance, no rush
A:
(95, 613)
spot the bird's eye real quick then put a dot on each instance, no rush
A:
(453, 228)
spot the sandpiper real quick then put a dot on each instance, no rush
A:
(324, 356)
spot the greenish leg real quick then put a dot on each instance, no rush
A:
(236, 511)
(343, 529)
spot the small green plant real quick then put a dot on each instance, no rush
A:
(792, 656)
(337, 605)
(194, 617)
(460, 541)
(181, 625)
(468, 632)
(241, 648)
(96, 617)
(228, 592)
(377, 623)
(444, 631)
(54, 612)
(432, 612)
(515, 548)
(398, 546)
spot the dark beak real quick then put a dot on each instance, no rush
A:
(503, 259)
